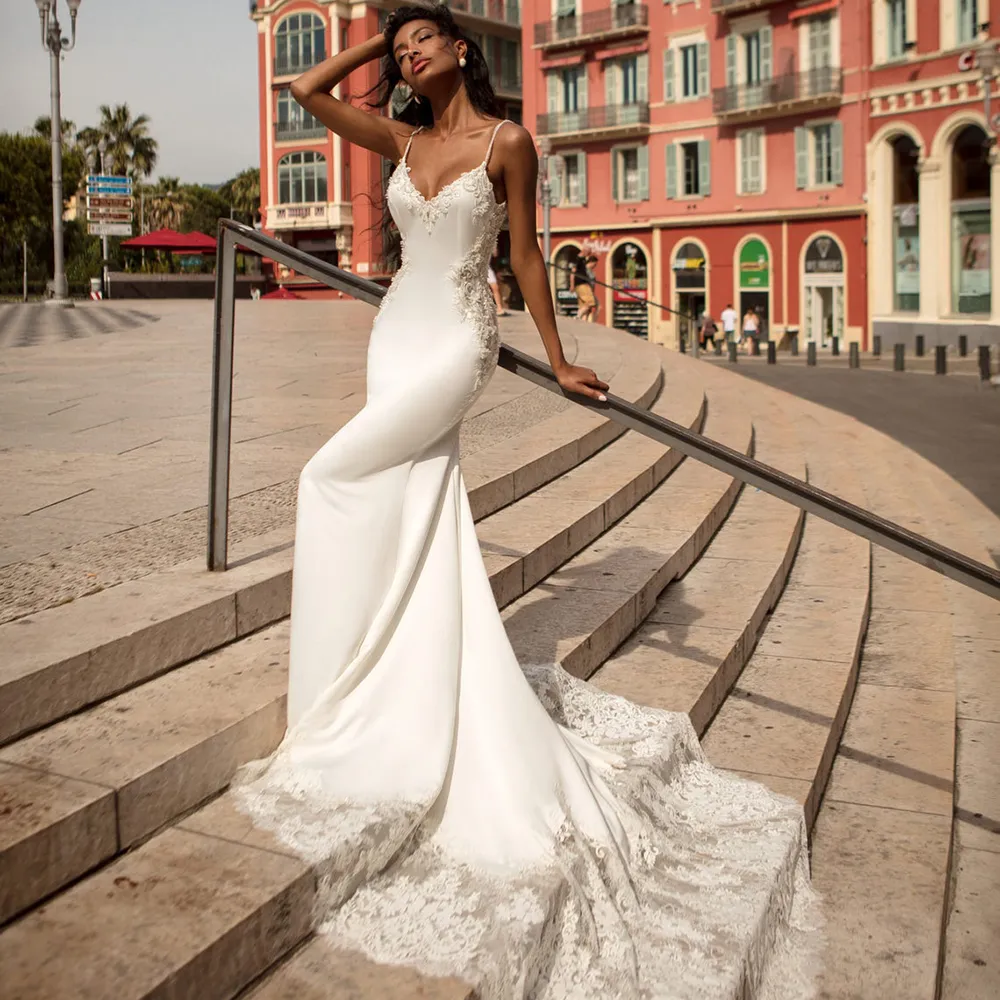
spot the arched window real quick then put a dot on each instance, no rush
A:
(970, 222)
(299, 42)
(293, 121)
(906, 223)
(301, 178)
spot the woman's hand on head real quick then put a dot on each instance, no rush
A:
(582, 381)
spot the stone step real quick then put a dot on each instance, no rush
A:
(99, 782)
(60, 660)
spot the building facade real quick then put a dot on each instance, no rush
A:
(319, 193)
(821, 161)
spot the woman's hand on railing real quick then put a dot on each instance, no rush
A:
(582, 381)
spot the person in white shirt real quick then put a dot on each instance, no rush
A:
(751, 328)
(729, 324)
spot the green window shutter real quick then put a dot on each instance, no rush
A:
(801, 157)
(610, 83)
(671, 170)
(704, 167)
(731, 60)
(555, 179)
(581, 159)
(756, 160)
(553, 83)
(644, 173)
(614, 173)
(704, 78)
(642, 77)
(837, 151)
(766, 49)
(668, 74)
(744, 151)
(581, 87)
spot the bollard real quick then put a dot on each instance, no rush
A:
(755, 347)
(811, 353)
(877, 346)
(963, 345)
(984, 362)
(684, 344)
(855, 361)
(795, 345)
(919, 347)
(835, 347)
(772, 352)
(718, 348)
(940, 360)
(899, 358)
(732, 353)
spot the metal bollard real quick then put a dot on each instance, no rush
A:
(718, 348)
(811, 353)
(855, 354)
(919, 348)
(732, 353)
(984, 362)
(835, 347)
(963, 345)
(899, 357)
(772, 352)
(795, 345)
(684, 345)
(940, 360)
(755, 347)
(877, 346)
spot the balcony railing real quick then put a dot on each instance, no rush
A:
(774, 95)
(294, 65)
(505, 11)
(736, 6)
(298, 130)
(620, 18)
(609, 116)
(506, 83)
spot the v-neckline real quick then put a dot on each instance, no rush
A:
(450, 184)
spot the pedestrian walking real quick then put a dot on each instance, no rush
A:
(751, 328)
(709, 328)
(729, 318)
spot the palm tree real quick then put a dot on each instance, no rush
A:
(131, 151)
(165, 203)
(245, 192)
(43, 128)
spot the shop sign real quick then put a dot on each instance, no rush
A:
(596, 243)
(755, 265)
(629, 294)
(974, 276)
(824, 257)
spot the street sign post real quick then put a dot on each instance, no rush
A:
(110, 228)
(109, 205)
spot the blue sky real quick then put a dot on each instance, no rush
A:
(191, 65)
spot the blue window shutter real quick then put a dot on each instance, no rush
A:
(704, 78)
(581, 159)
(837, 152)
(731, 60)
(668, 74)
(642, 77)
(801, 157)
(766, 49)
(704, 167)
(671, 170)
(644, 173)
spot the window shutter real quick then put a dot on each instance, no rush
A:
(801, 157)
(704, 167)
(555, 179)
(743, 147)
(643, 173)
(703, 74)
(668, 74)
(610, 72)
(554, 104)
(756, 160)
(581, 160)
(581, 88)
(766, 47)
(671, 170)
(642, 77)
(731, 60)
(837, 151)
(614, 173)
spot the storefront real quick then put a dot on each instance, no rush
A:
(754, 265)
(565, 261)
(823, 291)
(630, 278)
(689, 267)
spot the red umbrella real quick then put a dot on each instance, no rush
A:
(281, 293)
(170, 239)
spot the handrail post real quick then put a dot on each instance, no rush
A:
(222, 400)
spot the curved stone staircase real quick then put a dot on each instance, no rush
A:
(806, 660)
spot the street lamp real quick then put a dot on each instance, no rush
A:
(53, 40)
(545, 145)
(987, 59)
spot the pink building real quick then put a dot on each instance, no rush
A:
(739, 151)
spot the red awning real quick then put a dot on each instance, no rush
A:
(816, 8)
(281, 293)
(170, 239)
(602, 55)
(574, 60)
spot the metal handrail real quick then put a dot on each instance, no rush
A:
(733, 463)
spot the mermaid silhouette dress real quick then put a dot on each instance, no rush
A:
(466, 814)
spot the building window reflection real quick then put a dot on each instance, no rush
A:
(971, 225)
(906, 224)
(300, 42)
(301, 178)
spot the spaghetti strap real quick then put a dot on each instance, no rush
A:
(489, 148)
(406, 152)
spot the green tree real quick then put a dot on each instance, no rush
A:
(242, 193)
(131, 150)
(43, 128)
(165, 202)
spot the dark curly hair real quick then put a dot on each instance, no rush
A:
(417, 111)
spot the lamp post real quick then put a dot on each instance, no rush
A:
(987, 59)
(53, 40)
(545, 145)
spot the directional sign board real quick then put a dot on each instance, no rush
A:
(107, 202)
(110, 228)
(109, 205)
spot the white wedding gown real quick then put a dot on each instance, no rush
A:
(468, 815)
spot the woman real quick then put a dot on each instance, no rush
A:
(709, 329)
(580, 280)
(751, 329)
(453, 823)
